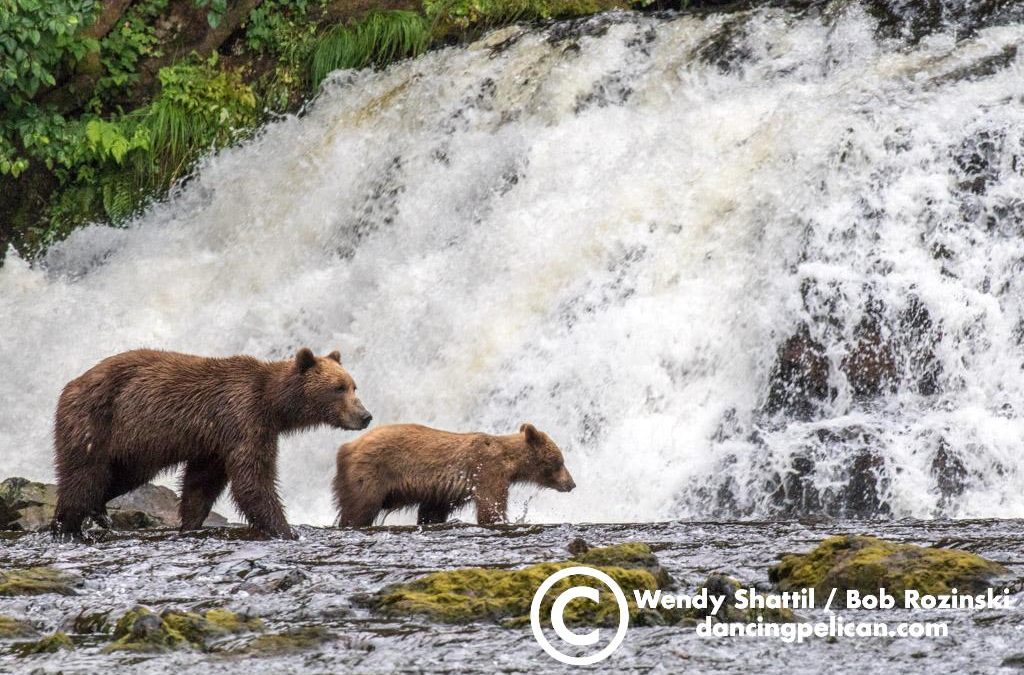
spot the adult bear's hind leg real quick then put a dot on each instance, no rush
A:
(81, 490)
(202, 483)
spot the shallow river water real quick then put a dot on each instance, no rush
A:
(162, 569)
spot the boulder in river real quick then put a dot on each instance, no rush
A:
(142, 630)
(29, 505)
(866, 564)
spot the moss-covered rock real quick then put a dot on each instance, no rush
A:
(866, 564)
(35, 581)
(504, 596)
(47, 645)
(14, 628)
(295, 640)
(631, 555)
(140, 629)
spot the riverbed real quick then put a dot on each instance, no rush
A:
(326, 568)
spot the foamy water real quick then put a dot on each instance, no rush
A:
(609, 236)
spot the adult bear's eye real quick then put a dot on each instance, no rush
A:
(342, 388)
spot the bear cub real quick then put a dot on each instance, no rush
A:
(404, 465)
(141, 412)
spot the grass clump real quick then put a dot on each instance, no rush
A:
(865, 564)
(379, 38)
(454, 17)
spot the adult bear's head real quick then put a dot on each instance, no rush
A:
(329, 392)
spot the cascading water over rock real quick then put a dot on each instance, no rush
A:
(750, 264)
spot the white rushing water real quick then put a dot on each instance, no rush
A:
(609, 235)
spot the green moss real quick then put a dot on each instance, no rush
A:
(461, 596)
(47, 645)
(866, 564)
(12, 628)
(140, 629)
(35, 581)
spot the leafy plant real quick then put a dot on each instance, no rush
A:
(380, 38)
(37, 39)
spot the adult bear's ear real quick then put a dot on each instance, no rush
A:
(304, 359)
(335, 356)
(532, 435)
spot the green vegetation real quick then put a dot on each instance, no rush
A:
(866, 564)
(107, 104)
(379, 39)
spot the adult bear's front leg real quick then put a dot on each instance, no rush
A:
(252, 470)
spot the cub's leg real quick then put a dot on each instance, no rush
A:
(491, 499)
(433, 513)
(360, 510)
(252, 470)
(203, 482)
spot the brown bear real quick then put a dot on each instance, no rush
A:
(136, 414)
(403, 465)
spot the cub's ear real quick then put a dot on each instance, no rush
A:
(305, 359)
(532, 435)
(335, 356)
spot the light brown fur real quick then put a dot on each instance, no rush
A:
(138, 413)
(402, 465)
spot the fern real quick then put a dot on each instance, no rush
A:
(381, 37)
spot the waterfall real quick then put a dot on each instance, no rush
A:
(750, 264)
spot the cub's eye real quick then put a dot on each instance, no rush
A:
(342, 388)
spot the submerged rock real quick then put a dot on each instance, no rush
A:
(36, 581)
(29, 505)
(14, 628)
(294, 640)
(47, 645)
(721, 584)
(866, 564)
(140, 629)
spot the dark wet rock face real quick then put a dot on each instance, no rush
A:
(799, 380)
(29, 505)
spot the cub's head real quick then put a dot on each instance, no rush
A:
(330, 391)
(546, 466)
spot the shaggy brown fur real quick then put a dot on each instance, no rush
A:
(136, 414)
(403, 465)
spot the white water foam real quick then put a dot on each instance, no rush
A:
(607, 236)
